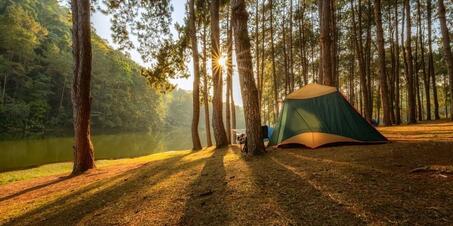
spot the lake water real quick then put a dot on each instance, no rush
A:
(24, 153)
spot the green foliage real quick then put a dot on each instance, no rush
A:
(36, 60)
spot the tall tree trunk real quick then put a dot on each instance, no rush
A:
(229, 74)
(352, 77)
(334, 52)
(397, 69)
(302, 46)
(81, 97)
(382, 69)
(285, 53)
(447, 51)
(274, 74)
(217, 116)
(426, 77)
(4, 88)
(257, 49)
(391, 81)
(410, 66)
(417, 77)
(368, 58)
(263, 53)
(205, 89)
(290, 42)
(249, 91)
(358, 46)
(431, 73)
(233, 109)
(325, 15)
(196, 144)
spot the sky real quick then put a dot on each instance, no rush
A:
(102, 26)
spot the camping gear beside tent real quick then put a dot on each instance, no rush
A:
(317, 115)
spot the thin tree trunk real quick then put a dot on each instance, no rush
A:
(303, 50)
(196, 144)
(285, 54)
(391, 78)
(290, 57)
(60, 105)
(263, 51)
(352, 78)
(368, 58)
(397, 70)
(274, 74)
(205, 89)
(426, 77)
(382, 69)
(4, 88)
(229, 74)
(81, 98)
(398, 64)
(357, 37)
(257, 50)
(446, 95)
(417, 77)
(410, 66)
(217, 116)
(431, 73)
(334, 52)
(447, 50)
(233, 110)
(249, 91)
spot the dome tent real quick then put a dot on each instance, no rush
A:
(316, 115)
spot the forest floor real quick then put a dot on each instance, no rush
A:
(407, 181)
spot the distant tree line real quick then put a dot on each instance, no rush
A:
(36, 78)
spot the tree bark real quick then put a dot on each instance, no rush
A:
(290, 42)
(358, 46)
(426, 78)
(4, 88)
(391, 78)
(81, 98)
(196, 144)
(205, 89)
(217, 116)
(257, 50)
(382, 69)
(285, 54)
(368, 59)
(447, 50)
(249, 91)
(233, 109)
(410, 66)
(274, 74)
(229, 74)
(397, 70)
(325, 38)
(431, 73)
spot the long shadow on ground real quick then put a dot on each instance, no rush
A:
(52, 182)
(301, 203)
(206, 204)
(70, 209)
(378, 196)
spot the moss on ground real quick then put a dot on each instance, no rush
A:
(340, 185)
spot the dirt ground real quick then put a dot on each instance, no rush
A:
(405, 182)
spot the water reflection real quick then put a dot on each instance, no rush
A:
(15, 154)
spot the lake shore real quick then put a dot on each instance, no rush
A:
(407, 181)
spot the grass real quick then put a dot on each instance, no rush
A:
(341, 185)
(66, 167)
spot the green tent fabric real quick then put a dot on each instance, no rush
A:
(317, 115)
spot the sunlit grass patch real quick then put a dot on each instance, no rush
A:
(66, 167)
